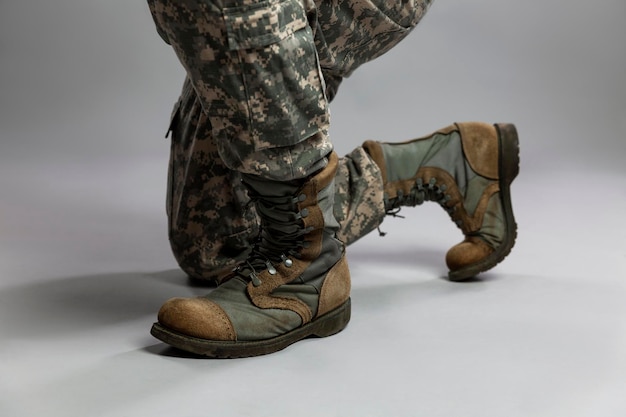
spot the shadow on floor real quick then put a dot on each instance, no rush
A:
(74, 304)
(65, 306)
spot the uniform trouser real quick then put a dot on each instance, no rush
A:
(260, 75)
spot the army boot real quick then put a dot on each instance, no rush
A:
(467, 168)
(294, 284)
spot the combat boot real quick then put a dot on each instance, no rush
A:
(468, 169)
(294, 284)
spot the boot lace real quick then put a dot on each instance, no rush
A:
(419, 193)
(281, 236)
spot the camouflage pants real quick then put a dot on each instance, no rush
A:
(260, 75)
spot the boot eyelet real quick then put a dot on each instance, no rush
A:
(288, 262)
(255, 279)
(304, 212)
(299, 199)
(270, 268)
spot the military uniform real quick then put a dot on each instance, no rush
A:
(254, 183)
(211, 222)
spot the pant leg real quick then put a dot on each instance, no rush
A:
(350, 33)
(211, 222)
(254, 67)
(359, 205)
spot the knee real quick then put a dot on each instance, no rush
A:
(204, 260)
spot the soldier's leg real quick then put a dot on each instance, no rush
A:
(467, 168)
(254, 67)
(211, 220)
(351, 33)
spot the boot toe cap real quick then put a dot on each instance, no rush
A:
(197, 317)
(470, 252)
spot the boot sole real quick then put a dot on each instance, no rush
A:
(324, 326)
(508, 163)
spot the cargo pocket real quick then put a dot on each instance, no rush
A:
(282, 84)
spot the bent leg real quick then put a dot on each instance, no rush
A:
(211, 222)
(254, 67)
(353, 32)
(203, 245)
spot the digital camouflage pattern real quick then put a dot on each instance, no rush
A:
(260, 75)
(359, 202)
(253, 66)
(352, 32)
(258, 68)
(211, 222)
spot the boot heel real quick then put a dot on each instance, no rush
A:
(334, 321)
(509, 168)
(509, 152)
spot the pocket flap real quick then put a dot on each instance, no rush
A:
(262, 24)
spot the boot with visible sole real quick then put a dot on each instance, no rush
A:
(295, 283)
(468, 169)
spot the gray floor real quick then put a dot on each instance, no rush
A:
(85, 262)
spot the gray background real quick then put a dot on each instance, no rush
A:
(86, 91)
